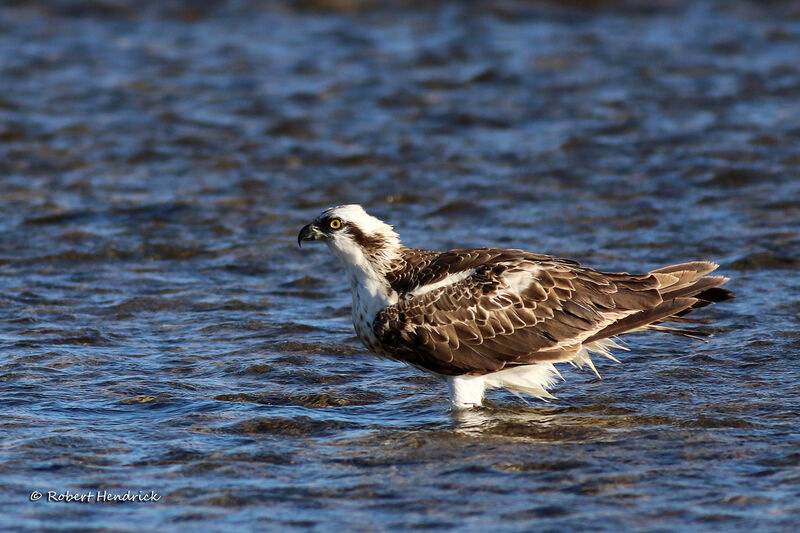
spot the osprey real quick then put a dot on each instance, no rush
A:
(493, 317)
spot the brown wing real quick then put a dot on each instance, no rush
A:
(416, 268)
(514, 308)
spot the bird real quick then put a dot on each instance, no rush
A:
(486, 318)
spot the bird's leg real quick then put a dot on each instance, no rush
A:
(466, 392)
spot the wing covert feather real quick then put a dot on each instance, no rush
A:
(512, 307)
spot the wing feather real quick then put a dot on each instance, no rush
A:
(515, 308)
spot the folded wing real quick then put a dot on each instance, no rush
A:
(511, 308)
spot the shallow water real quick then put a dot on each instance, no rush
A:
(161, 331)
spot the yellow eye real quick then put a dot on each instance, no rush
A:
(335, 223)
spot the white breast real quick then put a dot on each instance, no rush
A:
(370, 296)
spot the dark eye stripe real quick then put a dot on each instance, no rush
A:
(367, 242)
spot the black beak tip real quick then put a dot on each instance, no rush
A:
(306, 234)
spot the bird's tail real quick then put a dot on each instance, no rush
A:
(683, 288)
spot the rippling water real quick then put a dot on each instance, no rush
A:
(161, 331)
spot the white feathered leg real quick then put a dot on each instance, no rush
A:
(466, 391)
(534, 379)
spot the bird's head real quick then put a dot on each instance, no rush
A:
(354, 236)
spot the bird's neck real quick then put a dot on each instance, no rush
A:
(365, 276)
(367, 270)
(370, 290)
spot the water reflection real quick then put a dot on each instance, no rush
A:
(473, 422)
(529, 423)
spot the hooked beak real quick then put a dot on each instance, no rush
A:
(309, 233)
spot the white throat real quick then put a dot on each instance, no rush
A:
(366, 280)
(370, 290)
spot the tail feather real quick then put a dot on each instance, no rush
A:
(694, 288)
(715, 294)
(644, 318)
(684, 288)
(699, 268)
(696, 334)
